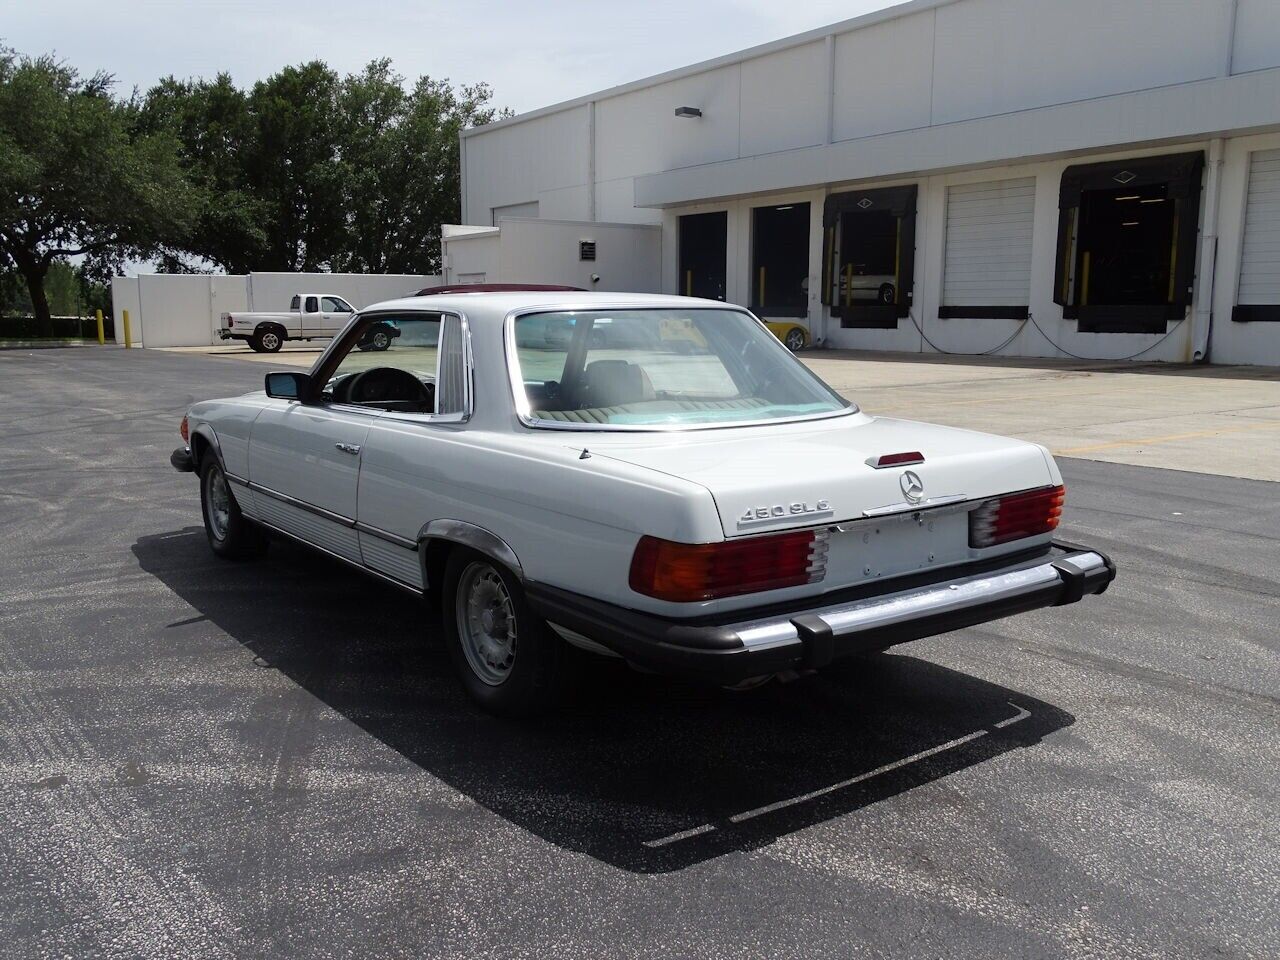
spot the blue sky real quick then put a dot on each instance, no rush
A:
(532, 53)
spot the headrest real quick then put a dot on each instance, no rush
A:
(611, 383)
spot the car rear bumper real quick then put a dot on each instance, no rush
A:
(182, 461)
(226, 334)
(806, 635)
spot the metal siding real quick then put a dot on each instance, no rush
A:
(1260, 257)
(988, 243)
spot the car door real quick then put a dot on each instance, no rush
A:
(304, 468)
(411, 458)
(310, 320)
(334, 314)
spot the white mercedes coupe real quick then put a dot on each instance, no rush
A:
(648, 477)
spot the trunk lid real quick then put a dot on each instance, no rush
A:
(769, 479)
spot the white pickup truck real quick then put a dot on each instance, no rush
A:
(311, 316)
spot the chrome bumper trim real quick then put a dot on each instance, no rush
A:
(884, 611)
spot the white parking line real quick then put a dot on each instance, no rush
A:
(832, 788)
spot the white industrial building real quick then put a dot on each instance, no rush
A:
(1098, 178)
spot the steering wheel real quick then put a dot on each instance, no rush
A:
(381, 384)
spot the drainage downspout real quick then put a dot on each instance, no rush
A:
(1202, 318)
(829, 95)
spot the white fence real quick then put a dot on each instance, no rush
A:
(183, 310)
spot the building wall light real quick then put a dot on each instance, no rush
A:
(688, 113)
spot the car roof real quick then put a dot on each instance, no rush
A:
(499, 304)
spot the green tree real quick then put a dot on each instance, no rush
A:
(77, 177)
(211, 121)
(306, 171)
(400, 166)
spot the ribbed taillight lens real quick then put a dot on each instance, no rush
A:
(1015, 516)
(184, 431)
(688, 572)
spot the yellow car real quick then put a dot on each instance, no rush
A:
(794, 335)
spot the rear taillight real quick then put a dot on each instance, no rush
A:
(186, 434)
(1015, 516)
(688, 572)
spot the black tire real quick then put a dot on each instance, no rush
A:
(534, 678)
(234, 536)
(795, 340)
(887, 293)
(267, 340)
(376, 339)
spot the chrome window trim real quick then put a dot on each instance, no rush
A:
(468, 366)
(520, 401)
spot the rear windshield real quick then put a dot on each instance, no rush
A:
(657, 368)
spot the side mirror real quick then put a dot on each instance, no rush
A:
(287, 386)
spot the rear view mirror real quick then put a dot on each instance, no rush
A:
(287, 386)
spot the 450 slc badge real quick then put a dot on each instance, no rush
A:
(779, 511)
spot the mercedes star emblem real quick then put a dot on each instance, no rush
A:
(912, 486)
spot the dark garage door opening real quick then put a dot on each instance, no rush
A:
(704, 241)
(1126, 242)
(780, 260)
(1126, 246)
(869, 255)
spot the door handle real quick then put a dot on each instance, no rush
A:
(351, 448)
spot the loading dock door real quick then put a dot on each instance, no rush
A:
(869, 255)
(704, 239)
(987, 260)
(1127, 242)
(780, 260)
(1258, 297)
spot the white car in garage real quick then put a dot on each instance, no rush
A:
(692, 500)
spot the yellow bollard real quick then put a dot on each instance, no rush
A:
(128, 334)
(102, 337)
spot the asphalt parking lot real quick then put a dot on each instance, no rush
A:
(272, 759)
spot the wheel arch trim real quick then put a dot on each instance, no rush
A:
(467, 535)
(210, 436)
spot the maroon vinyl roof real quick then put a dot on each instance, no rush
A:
(495, 288)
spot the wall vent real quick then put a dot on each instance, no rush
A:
(586, 249)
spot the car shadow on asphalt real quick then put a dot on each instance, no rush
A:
(642, 772)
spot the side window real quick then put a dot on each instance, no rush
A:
(312, 306)
(296, 302)
(334, 305)
(542, 346)
(454, 387)
(395, 363)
